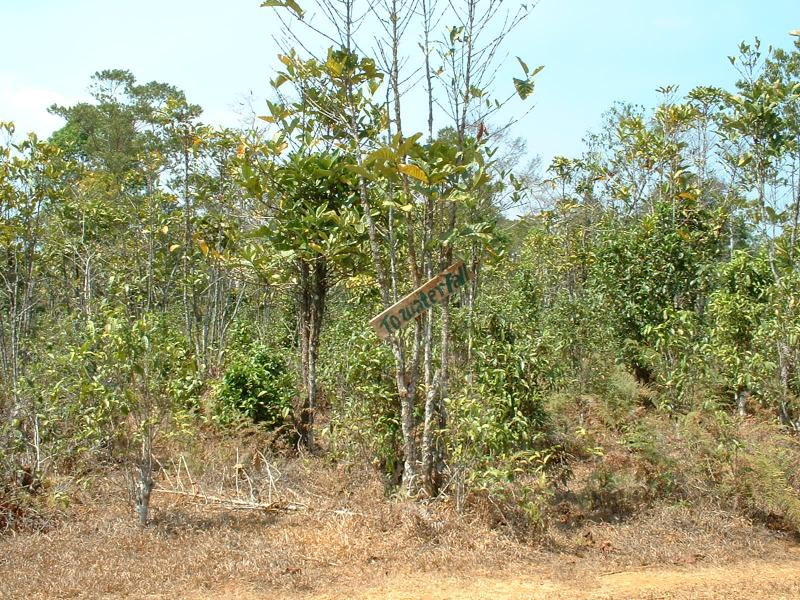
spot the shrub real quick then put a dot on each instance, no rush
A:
(256, 385)
(364, 406)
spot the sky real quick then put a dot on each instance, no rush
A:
(222, 54)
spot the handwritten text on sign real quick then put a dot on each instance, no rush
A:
(445, 284)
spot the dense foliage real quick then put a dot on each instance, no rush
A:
(655, 279)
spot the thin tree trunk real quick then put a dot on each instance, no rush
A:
(428, 436)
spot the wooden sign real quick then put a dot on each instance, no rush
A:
(444, 285)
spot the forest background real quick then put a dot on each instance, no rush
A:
(631, 320)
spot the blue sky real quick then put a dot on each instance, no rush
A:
(219, 53)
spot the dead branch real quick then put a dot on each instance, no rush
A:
(236, 503)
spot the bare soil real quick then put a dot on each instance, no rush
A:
(741, 580)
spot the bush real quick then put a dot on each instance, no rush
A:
(500, 441)
(364, 406)
(256, 385)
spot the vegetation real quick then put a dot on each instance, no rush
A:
(635, 339)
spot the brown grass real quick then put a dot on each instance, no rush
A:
(347, 535)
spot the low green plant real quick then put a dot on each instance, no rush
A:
(364, 406)
(257, 385)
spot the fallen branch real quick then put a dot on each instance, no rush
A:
(236, 503)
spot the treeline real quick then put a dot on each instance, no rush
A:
(160, 275)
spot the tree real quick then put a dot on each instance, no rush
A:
(310, 207)
(31, 178)
(407, 210)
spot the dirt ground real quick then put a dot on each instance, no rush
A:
(742, 580)
(350, 541)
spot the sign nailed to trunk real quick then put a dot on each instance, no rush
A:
(444, 285)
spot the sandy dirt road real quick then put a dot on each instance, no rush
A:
(754, 579)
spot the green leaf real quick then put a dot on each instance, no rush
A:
(774, 217)
(523, 65)
(279, 80)
(524, 87)
(382, 155)
(374, 84)
(408, 143)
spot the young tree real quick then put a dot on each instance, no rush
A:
(406, 209)
(309, 205)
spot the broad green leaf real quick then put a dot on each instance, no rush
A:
(382, 155)
(774, 217)
(279, 80)
(408, 143)
(524, 87)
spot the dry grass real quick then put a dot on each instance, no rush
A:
(347, 535)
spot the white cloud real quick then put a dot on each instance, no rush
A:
(26, 106)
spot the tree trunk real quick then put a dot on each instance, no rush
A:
(144, 481)
(312, 293)
(428, 478)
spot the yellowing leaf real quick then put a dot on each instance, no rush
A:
(165, 230)
(413, 171)
(174, 247)
(334, 66)
(203, 247)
